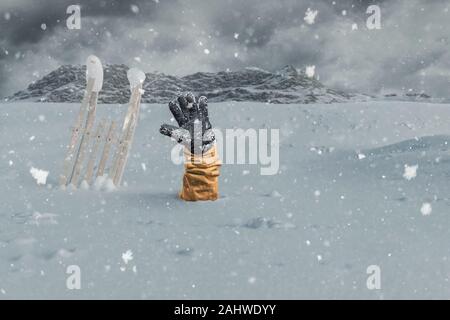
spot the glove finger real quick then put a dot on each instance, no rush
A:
(194, 112)
(167, 129)
(177, 113)
(183, 105)
(179, 134)
(190, 97)
(203, 110)
(208, 137)
(192, 107)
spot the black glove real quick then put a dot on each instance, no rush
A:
(194, 131)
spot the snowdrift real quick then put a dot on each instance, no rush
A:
(338, 205)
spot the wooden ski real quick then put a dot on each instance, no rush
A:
(136, 79)
(93, 152)
(106, 149)
(79, 159)
(76, 129)
(94, 70)
(127, 140)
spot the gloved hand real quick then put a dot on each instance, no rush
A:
(194, 129)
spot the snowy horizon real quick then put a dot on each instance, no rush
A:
(184, 37)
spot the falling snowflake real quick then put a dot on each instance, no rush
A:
(410, 172)
(206, 51)
(134, 8)
(426, 209)
(310, 16)
(361, 156)
(43, 26)
(127, 256)
(39, 175)
(310, 71)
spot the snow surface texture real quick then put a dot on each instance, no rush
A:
(309, 232)
(287, 85)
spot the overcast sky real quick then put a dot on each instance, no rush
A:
(410, 51)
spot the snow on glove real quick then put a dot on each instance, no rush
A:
(194, 129)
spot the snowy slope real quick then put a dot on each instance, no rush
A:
(309, 232)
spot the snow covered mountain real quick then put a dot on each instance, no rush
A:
(287, 85)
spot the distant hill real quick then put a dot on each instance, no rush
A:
(287, 85)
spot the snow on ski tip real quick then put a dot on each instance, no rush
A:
(94, 69)
(135, 77)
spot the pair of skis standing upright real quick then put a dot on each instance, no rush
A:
(83, 132)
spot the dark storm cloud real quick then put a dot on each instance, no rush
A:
(174, 36)
(27, 16)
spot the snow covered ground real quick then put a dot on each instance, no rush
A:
(342, 201)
